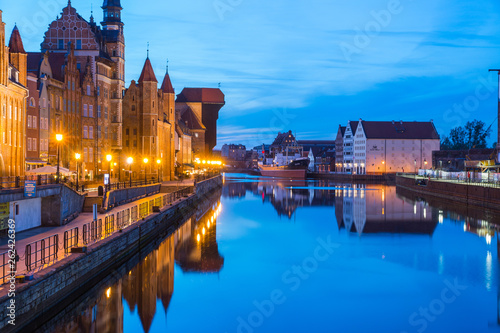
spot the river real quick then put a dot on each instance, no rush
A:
(306, 256)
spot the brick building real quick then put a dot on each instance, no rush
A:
(13, 91)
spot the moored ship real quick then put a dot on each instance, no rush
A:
(295, 169)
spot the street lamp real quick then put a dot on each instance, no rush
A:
(59, 138)
(145, 175)
(109, 158)
(158, 162)
(77, 157)
(129, 161)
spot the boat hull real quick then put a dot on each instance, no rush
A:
(283, 173)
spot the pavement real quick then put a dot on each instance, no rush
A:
(29, 236)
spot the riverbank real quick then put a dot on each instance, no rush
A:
(79, 271)
(460, 193)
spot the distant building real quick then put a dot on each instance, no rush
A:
(455, 160)
(32, 124)
(282, 141)
(339, 149)
(385, 146)
(234, 152)
(320, 152)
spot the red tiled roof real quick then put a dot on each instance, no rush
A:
(166, 86)
(16, 43)
(203, 95)
(399, 130)
(148, 74)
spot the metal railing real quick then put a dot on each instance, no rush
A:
(41, 252)
(70, 239)
(8, 265)
(109, 225)
(44, 251)
(18, 182)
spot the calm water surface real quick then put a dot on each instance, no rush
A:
(308, 256)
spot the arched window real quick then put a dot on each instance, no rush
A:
(32, 102)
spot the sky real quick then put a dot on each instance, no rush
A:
(308, 66)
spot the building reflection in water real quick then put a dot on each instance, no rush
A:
(365, 208)
(193, 246)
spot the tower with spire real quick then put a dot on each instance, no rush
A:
(18, 57)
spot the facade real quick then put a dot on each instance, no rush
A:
(32, 124)
(387, 147)
(339, 149)
(149, 125)
(455, 160)
(322, 154)
(348, 148)
(13, 91)
(282, 141)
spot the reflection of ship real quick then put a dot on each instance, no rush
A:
(295, 169)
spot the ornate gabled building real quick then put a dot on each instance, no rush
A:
(13, 91)
(94, 67)
(149, 124)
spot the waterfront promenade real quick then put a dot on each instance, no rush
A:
(60, 250)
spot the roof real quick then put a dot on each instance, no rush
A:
(279, 140)
(203, 95)
(34, 60)
(354, 126)
(111, 3)
(189, 118)
(399, 130)
(342, 130)
(57, 62)
(16, 43)
(166, 86)
(148, 74)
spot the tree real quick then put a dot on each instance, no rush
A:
(472, 135)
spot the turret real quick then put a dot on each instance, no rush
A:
(18, 57)
(112, 13)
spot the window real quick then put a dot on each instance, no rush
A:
(135, 143)
(91, 111)
(85, 132)
(91, 132)
(126, 143)
(78, 66)
(29, 144)
(85, 155)
(29, 121)
(69, 85)
(98, 91)
(88, 90)
(34, 121)
(78, 44)
(85, 110)
(60, 45)
(91, 155)
(32, 102)
(106, 112)
(4, 111)
(133, 107)
(99, 132)
(135, 131)
(34, 144)
(105, 132)
(98, 111)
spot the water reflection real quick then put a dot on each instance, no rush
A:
(152, 279)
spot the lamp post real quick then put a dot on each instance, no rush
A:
(158, 162)
(129, 161)
(59, 138)
(77, 157)
(109, 158)
(145, 174)
(415, 168)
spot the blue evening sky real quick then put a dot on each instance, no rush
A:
(311, 65)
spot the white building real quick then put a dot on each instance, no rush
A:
(385, 146)
(348, 152)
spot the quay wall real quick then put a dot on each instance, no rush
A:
(477, 195)
(71, 276)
